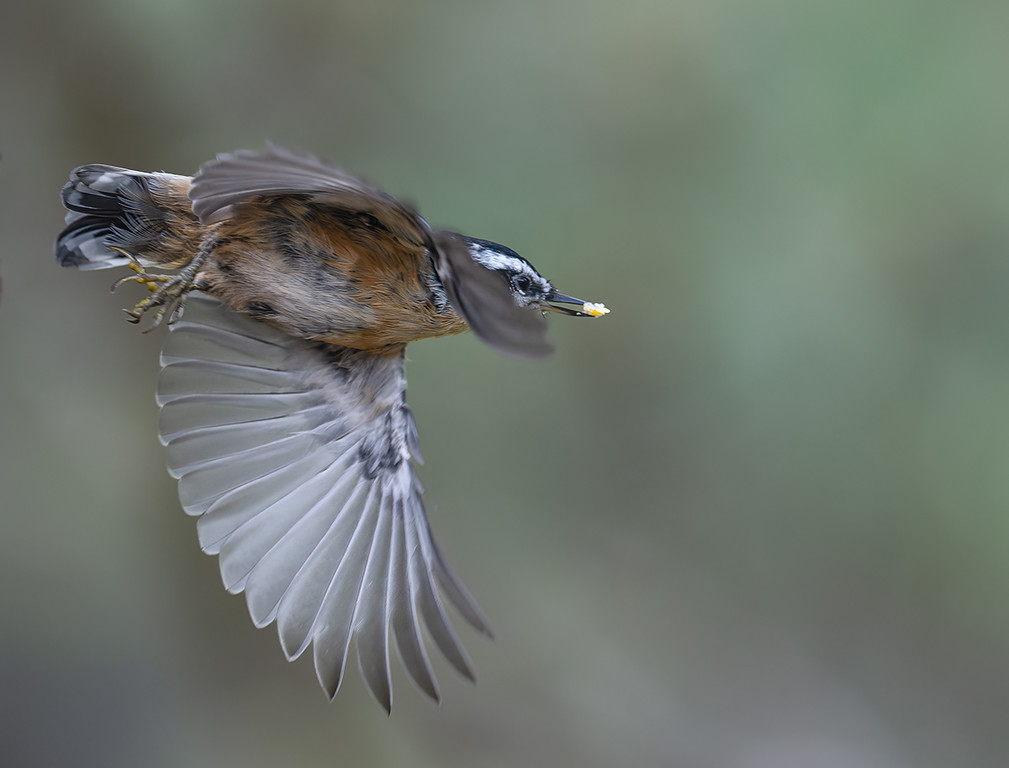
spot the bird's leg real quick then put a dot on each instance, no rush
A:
(168, 292)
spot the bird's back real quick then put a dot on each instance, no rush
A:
(324, 273)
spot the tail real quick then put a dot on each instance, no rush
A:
(145, 214)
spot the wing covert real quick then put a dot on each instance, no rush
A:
(222, 184)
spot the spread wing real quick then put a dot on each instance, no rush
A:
(296, 456)
(481, 296)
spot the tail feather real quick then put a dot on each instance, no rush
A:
(82, 244)
(145, 214)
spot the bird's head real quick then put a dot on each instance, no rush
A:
(528, 287)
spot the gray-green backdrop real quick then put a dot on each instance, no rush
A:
(756, 517)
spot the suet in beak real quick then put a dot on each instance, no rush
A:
(588, 309)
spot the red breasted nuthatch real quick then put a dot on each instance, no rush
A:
(282, 385)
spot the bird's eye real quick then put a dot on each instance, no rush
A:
(523, 283)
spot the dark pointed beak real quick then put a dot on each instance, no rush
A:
(587, 309)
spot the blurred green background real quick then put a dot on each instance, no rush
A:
(756, 517)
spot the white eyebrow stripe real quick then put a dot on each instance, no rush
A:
(497, 260)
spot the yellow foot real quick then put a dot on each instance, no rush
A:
(143, 277)
(168, 292)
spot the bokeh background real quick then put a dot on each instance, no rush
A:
(756, 517)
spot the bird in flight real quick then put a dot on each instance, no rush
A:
(292, 289)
